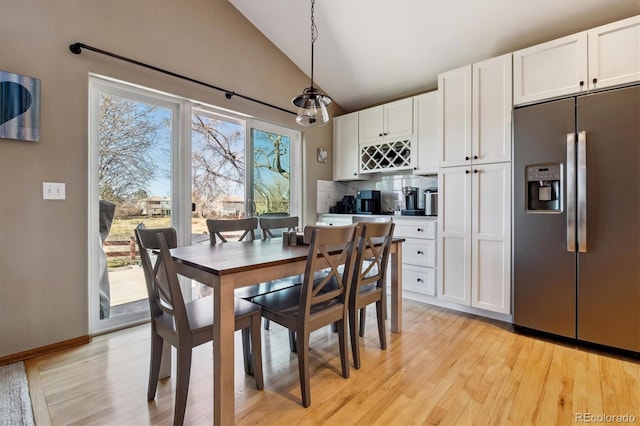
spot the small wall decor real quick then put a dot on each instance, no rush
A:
(322, 155)
(19, 107)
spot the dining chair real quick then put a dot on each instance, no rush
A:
(272, 226)
(186, 325)
(306, 307)
(368, 287)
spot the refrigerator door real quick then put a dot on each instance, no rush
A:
(544, 271)
(609, 272)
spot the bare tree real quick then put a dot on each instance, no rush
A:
(128, 131)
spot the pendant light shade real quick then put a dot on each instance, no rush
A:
(312, 104)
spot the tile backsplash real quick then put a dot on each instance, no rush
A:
(390, 187)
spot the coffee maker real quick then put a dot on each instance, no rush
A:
(368, 202)
(411, 194)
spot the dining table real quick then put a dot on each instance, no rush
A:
(226, 267)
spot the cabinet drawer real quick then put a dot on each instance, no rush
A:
(421, 229)
(419, 280)
(419, 252)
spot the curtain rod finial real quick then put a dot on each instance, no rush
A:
(76, 48)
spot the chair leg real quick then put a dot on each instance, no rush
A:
(355, 343)
(292, 341)
(266, 324)
(302, 343)
(256, 351)
(182, 383)
(380, 313)
(363, 315)
(344, 347)
(154, 364)
(247, 350)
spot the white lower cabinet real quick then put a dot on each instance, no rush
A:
(418, 255)
(474, 236)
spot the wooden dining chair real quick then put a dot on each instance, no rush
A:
(368, 287)
(306, 307)
(272, 226)
(247, 226)
(186, 325)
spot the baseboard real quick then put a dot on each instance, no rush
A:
(43, 350)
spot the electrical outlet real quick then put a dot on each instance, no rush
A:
(53, 191)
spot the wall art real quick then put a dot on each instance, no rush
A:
(19, 107)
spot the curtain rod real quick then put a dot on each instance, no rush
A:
(77, 49)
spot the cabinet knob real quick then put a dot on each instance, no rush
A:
(595, 80)
(475, 157)
(355, 174)
(380, 134)
(419, 280)
(420, 229)
(420, 252)
(467, 171)
(581, 83)
(467, 158)
(475, 170)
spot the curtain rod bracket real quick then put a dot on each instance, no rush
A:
(77, 47)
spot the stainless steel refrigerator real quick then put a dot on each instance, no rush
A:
(576, 218)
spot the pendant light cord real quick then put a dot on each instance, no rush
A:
(314, 36)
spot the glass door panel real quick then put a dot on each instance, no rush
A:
(271, 174)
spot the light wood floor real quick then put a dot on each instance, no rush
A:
(445, 368)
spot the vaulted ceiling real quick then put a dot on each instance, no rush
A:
(373, 51)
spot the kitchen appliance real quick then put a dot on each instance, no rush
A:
(576, 236)
(411, 194)
(431, 201)
(346, 205)
(368, 202)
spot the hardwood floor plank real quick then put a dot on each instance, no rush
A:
(445, 368)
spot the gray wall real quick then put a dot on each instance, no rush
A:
(43, 256)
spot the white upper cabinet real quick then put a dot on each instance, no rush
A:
(454, 117)
(390, 121)
(491, 110)
(425, 124)
(345, 148)
(474, 113)
(602, 57)
(614, 53)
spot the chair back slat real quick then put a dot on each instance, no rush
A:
(271, 225)
(372, 254)
(218, 226)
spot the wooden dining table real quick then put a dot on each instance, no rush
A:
(225, 267)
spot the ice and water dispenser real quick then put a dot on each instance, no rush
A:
(544, 188)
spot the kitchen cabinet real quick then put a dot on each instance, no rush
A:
(418, 254)
(425, 130)
(474, 236)
(392, 121)
(474, 113)
(345, 148)
(601, 57)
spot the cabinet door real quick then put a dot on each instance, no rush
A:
(454, 117)
(370, 124)
(398, 119)
(345, 147)
(614, 53)
(491, 237)
(454, 235)
(549, 70)
(425, 124)
(491, 112)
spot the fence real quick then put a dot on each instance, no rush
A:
(121, 248)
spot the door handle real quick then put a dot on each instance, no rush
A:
(571, 192)
(582, 192)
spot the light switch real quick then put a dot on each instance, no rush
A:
(53, 191)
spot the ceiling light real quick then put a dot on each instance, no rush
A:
(312, 104)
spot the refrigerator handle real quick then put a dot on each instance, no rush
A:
(582, 192)
(571, 192)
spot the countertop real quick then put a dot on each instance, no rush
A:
(336, 215)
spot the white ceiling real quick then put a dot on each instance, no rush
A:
(373, 51)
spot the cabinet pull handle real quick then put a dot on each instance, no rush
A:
(419, 280)
(420, 229)
(420, 252)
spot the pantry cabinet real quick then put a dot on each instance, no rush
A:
(601, 57)
(474, 239)
(474, 113)
(345, 148)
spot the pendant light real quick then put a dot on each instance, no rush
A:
(312, 104)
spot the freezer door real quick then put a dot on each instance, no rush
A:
(544, 271)
(609, 270)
